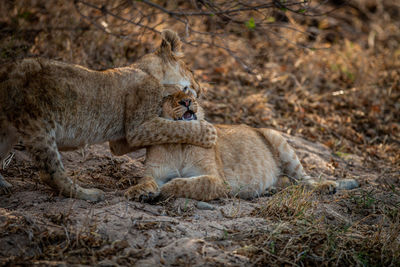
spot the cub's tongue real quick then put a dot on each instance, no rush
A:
(187, 115)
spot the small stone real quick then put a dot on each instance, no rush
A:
(347, 184)
(204, 206)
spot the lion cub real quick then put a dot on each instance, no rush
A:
(245, 161)
(51, 106)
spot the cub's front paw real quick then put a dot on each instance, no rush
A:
(209, 137)
(143, 192)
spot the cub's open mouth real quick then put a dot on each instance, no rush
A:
(188, 116)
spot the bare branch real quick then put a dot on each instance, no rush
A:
(105, 11)
(223, 20)
(221, 12)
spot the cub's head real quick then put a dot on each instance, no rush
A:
(181, 106)
(166, 65)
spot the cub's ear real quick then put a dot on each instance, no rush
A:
(170, 45)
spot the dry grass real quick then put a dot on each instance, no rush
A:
(306, 234)
(292, 202)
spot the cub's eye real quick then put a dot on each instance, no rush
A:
(189, 91)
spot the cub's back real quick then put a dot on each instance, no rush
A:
(247, 159)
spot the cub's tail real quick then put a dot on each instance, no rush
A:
(291, 164)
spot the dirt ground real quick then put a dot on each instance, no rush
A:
(337, 103)
(42, 228)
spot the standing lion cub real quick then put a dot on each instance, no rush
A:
(245, 161)
(51, 106)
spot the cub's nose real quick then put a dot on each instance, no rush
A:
(185, 102)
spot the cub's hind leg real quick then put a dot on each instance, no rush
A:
(292, 166)
(41, 143)
(8, 138)
(204, 188)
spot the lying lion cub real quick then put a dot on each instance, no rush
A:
(245, 161)
(52, 106)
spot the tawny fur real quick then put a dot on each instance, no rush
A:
(245, 162)
(51, 105)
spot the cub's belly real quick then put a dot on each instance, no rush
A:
(81, 134)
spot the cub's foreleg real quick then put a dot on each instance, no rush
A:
(42, 145)
(157, 131)
(204, 188)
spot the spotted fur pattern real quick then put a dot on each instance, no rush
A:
(51, 106)
(245, 162)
